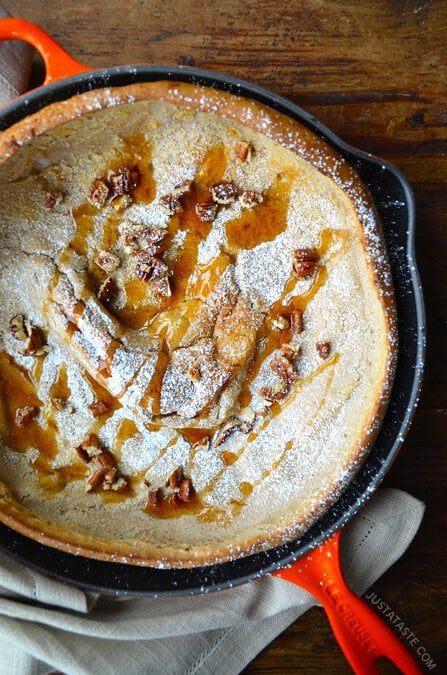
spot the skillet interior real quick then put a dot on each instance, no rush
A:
(395, 204)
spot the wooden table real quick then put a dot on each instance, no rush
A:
(376, 73)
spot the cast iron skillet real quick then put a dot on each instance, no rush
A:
(395, 203)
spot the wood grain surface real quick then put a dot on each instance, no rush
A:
(375, 71)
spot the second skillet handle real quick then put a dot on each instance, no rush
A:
(361, 634)
(58, 62)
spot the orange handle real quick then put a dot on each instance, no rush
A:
(361, 634)
(58, 63)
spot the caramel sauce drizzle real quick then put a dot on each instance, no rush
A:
(18, 390)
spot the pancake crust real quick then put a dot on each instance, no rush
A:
(214, 275)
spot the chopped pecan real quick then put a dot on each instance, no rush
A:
(109, 477)
(277, 392)
(290, 351)
(305, 261)
(175, 499)
(206, 211)
(120, 484)
(99, 192)
(323, 349)
(181, 188)
(155, 497)
(249, 199)
(17, 327)
(33, 342)
(107, 290)
(137, 237)
(244, 151)
(104, 459)
(282, 367)
(91, 445)
(25, 415)
(224, 193)
(280, 323)
(156, 269)
(123, 181)
(175, 478)
(162, 288)
(95, 481)
(52, 198)
(107, 261)
(83, 454)
(296, 322)
(121, 203)
(185, 490)
(230, 426)
(171, 203)
(98, 408)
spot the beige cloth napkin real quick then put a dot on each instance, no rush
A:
(47, 625)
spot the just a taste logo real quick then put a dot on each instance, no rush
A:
(399, 625)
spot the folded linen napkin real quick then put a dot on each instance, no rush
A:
(47, 625)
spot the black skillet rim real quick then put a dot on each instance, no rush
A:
(394, 199)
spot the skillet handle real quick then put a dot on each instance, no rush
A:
(58, 63)
(361, 634)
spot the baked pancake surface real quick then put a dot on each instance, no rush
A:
(197, 326)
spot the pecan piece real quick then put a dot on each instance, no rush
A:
(120, 484)
(282, 367)
(25, 415)
(123, 181)
(244, 151)
(171, 203)
(229, 427)
(17, 327)
(154, 497)
(206, 211)
(156, 269)
(277, 392)
(99, 192)
(249, 199)
(224, 193)
(107, 261)
(91, 445)
(290, 351)
(83, 454)
(121, 203)
(51, 199)
(305, 261)
(296, 322)
(109, 477)
(323, 349)
(175, 499)
(98, 408)
(104, 460)
(107, 290)
(95, 481)
(185, 490)
(162, 288)
(33, 342)
(280, 323)
(175, 478)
